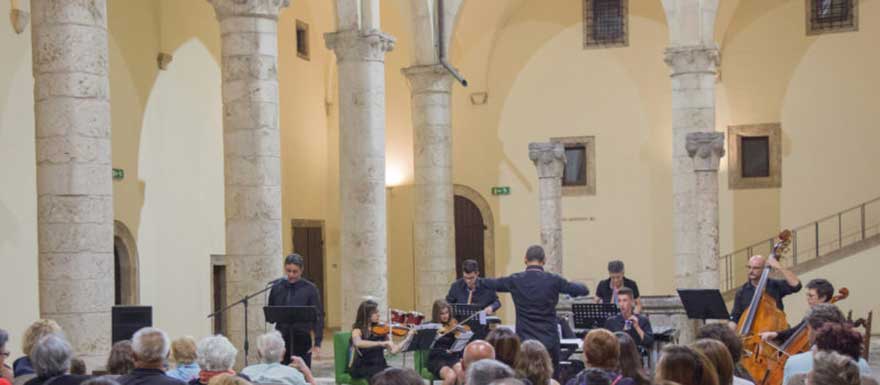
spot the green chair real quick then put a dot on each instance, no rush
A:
(420, 363)
(340, 360)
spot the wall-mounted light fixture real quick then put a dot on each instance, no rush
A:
(479, 98)
(163, 59)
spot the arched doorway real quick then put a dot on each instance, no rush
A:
(125, 266)
(474, 230)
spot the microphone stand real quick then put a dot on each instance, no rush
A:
(244, 301)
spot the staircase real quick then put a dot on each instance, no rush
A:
(813, 245)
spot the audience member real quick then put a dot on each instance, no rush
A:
(720, 358)
(473, 352)
(486, 371)
(836, 337)
(685, 366)
(40, 328)
(121, 360)
(228, 379)
(6, 375)
(103, 380)
(216, 356)
(183, 353)
(506, 344)
(630, 360)
(270, 351)
(533, 363)
(78, 366)
(722, 332)
(397, 376)
(50, 357)
(831, 368)
(601, 352)
(509, 381)
(150, 347)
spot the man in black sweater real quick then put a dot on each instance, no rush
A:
(298, 291)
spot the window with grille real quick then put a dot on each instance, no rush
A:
(754, 156)
(579, 174)
(605, 23)
(826, 16)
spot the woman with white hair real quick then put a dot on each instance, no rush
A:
(50, 358)
(216, 356)
(270, 349)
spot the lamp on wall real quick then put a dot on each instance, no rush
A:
(19, 15)
(393, 175)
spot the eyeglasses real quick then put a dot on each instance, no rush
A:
(5, 354)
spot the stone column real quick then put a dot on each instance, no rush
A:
(549, 158)
(706, 150)
(74, 181)
(363, 228)
(693, 110)
(433, 216)
(251, 156)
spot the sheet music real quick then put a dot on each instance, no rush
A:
(461, 341)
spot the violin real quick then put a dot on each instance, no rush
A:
(383, 329)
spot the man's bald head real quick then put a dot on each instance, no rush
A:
(757, 260)
(756, 267)
(475, 351)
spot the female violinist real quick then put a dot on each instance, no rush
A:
(440, 359)
(369, 341)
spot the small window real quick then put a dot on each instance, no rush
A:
(605, 23)
(579, 174)
(755, 156)
(827, 16)
(302, 40)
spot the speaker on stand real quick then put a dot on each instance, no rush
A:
(129, 319)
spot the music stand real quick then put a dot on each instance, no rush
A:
(703, 304)
(424, 338)
(290, 315)
(461, 311)
(592, 315)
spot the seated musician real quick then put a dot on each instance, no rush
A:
(441, 360)
(368, 356)
(637, 326)
(608, 289)
(776, 288)
(469, 289)
(819, 290)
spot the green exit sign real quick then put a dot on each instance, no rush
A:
(118, 173)
(501, 190)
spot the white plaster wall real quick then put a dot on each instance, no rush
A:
(181, 167)
(18, 190)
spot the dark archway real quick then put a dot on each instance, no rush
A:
(469, 234)
(125, 266)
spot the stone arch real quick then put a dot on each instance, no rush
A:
(125, 250)
(488, 220)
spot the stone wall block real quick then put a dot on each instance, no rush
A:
(76, 266)
(78, 85)
(248, 8)
(75, 209)
(88, 333)
(247, 114)
(260, 67)
(69, 116)
(85, 12)
(248, 24)
(693, 98)
(74, 179)
(259, 268)
(250, 90)
(249, 43)
(69, 296)
(76, 149)
(247, 143)
(354, 46)
(253, 237)
(75, 238)
(262, 202)
(70, 48)
(253, 171)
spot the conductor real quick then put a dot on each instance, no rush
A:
(535, 295)
(298, 291)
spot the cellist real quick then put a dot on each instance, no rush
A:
(819, 290)
(776, 288)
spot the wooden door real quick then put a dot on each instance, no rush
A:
(469, 232)
(309, 243)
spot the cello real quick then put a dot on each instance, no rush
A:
(762, 315)
(799, 342)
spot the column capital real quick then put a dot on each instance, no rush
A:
(693, 59)
(248, 8)
(549, 158)
(354, 45)
(706, 149)
(428, 78)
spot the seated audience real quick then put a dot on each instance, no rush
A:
(506, 344)
(183, 353)
(685, 366)
(228, 379)
(533, 363)
(601, 352)
(508, 381)
(722, 332)
(150, 347)
(121, 360)
(831, 368)
(473, 352)
(270, 351)
(50, 358)
(397, 376)
(22, 368)
(637, 326)
(827, 332)
(5, 370)
(720, 358)
(630, 361)
(78, 366)
(487, 371)
(216, 356)
(103, 380)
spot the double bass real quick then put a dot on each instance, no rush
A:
(762, 315)
(797, 343)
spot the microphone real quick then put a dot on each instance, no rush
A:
(274, 282)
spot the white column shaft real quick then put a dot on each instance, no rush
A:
(706, 149)
(549, 158)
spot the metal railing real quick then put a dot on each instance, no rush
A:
(810, 241)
